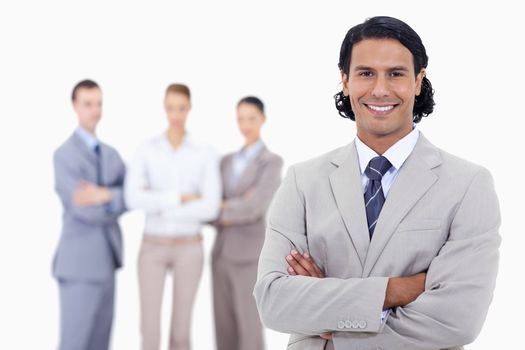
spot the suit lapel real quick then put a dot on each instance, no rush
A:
(414, 179)
(348, 192)
(249, 173)
(226, 175)
(89, 156)
(104, 164)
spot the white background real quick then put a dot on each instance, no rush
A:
(286, 52)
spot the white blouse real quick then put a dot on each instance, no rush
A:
(160, 174)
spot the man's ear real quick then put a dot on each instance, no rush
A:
(419, 80)
(345, 82)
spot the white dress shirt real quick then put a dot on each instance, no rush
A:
(88, 138)
(397, 154)
(160, 174)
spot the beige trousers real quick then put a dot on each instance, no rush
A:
(237, 323)
(183, 259)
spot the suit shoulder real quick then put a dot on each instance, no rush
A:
(310, 173)
(64, 150)
(111, 149)
(226, 157)
(318, 164)
(460, 168)
(270, 157)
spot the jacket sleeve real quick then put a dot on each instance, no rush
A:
(137, 193)
(252, 206)
(67, 179)
(307, 305)
(459, 284)
(206, 208)
(117, 206)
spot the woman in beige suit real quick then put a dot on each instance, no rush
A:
(250, 177)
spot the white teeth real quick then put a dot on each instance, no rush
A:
(381, 108)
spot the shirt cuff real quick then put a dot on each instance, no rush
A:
(384, 315)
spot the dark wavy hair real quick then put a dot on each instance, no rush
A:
(383, 27)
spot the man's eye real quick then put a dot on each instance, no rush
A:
(397, 74)
(365, 73)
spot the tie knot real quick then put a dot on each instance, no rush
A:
(377, 167)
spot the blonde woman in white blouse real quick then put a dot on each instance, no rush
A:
(176, 181)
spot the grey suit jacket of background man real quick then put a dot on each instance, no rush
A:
(441, 215)
(90, 246)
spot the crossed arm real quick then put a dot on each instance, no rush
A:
(84, 200)
(254, 203)
(202, 205)
(448, 312)
(400, 291)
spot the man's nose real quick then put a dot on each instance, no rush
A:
(380, 88)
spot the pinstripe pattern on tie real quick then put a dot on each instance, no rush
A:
(374, 196)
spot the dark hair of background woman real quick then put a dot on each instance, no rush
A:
(383, 27)
(253, 101)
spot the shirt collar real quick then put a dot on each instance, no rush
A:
(88, 138)
(187, 140)
(396, 154)
(251, 151)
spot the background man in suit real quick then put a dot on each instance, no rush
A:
(88, 179)
(250, 178)
(405, 233)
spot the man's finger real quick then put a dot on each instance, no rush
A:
(305, 264)
(317, 269)
(291, 271)
(327, 336)
(296, 266)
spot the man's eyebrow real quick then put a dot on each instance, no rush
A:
(401, 68)
(362, 68)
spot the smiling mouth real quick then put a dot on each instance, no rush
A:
(380, 110)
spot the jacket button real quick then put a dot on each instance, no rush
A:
(348, 324)
(362, 324)
(341, 324)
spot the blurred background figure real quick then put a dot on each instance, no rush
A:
(175, 180)
(250, 177)
(89, 176)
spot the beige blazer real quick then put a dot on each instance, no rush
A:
(246, 207)
(441, 215)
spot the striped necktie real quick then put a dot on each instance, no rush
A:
(374, 196)
(99, 168)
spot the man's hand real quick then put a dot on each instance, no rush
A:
(88, 193)
(304, 265)
(187, 197)
(401, 291)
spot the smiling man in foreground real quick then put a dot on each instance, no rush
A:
(387, 242)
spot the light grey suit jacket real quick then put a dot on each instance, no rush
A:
(90, 246)
(246, 207)
(441, 215)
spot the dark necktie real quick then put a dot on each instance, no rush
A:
(99, 169)
(374, 196)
